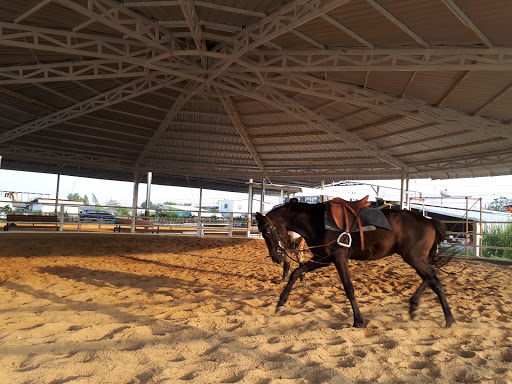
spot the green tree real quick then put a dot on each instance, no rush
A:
(151, 205)
(121, 211)
(74, 196)
(95, 200)
(499, 204)
(86, 200)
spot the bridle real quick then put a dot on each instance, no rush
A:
(279, 241)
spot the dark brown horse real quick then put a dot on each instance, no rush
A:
(412, 236)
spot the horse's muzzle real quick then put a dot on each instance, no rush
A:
(276, 256)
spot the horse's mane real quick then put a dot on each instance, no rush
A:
(300, 207)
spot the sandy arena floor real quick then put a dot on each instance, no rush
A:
(105, 308)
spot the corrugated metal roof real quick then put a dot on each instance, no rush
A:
(222, 91)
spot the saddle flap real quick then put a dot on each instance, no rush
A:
(336, 211)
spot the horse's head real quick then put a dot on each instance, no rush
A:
(275, 234)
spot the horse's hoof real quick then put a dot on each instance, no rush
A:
(449, 322)
(414, 314)
(279, 309)
(359, 324)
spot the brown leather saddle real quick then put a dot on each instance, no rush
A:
(338, 212)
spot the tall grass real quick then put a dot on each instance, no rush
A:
(497, 241)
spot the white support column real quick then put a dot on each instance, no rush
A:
(57, 194)
(249, 209)
(61, 219)
(407, 197)
(135, 198)
(262, 198)
(148, 195)
(200, 231)
(467, 225)
(230, 230)
(402, 190)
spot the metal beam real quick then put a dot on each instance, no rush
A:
(32, 10)
(348, 31)
(193, 22)
(190, 90)
(292, 15)
(242, 131)
(331, 90)
(204, 4)
(493, 99)
(275, 98)
(379, 59)
(70, 71)
(122, 93)
(486, 159)
(127, 22)
(464, 19)
(397, 22)
(77, 44)
(452, 88)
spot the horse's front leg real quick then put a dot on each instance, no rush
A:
(307, 267)
(341, 263)
(286, 271)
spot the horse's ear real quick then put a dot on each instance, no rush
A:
(259, 216)
(365, 199)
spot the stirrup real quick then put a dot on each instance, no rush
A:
(349, 240)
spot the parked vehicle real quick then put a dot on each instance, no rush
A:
(98, 216)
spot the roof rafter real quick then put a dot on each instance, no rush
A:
(496, 97)
(113, 96)
(274, 97)
(332, 90)
(193, 22)
(397, 22)
(348, 31)
(287, 18)
(70, 71)
(162, 3)
(380, 59)
(464, 19)
(242, 43)
(230, 108)
(128, 22)
(188, 91)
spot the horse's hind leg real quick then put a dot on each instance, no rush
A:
(428, 274)
(414, 301)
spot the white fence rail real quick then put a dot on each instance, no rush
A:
(66, 217)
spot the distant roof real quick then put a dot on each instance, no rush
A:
(213, 93)
(460, 213)
(61, 201)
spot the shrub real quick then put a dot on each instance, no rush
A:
(497, 241)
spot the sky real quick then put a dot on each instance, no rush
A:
(488, 188)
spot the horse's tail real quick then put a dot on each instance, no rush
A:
(434, 257)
